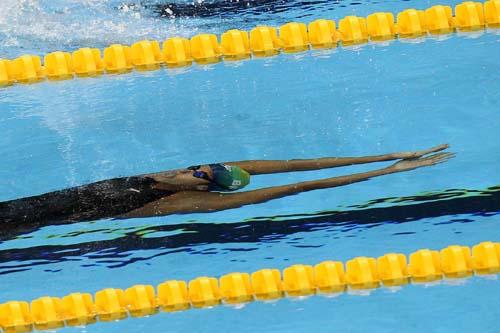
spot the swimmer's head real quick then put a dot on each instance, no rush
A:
(224, 177)
(230, 178)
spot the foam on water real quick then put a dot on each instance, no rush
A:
(38, 27)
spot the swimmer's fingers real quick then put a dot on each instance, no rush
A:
(433, 149)
(420, 153)
(410, 164)
(437, 158)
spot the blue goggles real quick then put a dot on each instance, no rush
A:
(199, 173)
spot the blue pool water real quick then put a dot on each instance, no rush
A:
(372, 99)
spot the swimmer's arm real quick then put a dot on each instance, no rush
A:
(256, 167)
(204, 202)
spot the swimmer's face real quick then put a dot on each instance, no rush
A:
(186, 179)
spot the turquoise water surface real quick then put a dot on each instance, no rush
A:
(372, 99)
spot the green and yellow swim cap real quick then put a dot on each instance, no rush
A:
(229, 177)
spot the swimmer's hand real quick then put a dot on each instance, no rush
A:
(433, 159)
(419, 153)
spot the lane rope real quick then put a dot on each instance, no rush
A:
(262, 41)
(389, 270)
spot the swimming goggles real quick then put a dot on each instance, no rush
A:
(199, 173)
(214, 185)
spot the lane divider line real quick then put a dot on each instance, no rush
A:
(389, 270)
(262, 41)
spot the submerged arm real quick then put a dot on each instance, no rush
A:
(255, 167)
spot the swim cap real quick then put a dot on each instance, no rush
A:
(229, 177)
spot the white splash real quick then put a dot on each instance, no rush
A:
(36, 26)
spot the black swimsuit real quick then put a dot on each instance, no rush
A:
(104, 199)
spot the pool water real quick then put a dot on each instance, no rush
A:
(371, 99)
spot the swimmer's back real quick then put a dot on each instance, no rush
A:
(103, 199)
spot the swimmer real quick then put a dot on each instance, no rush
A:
(229, 8)
(196, 189)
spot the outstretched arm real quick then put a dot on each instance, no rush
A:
(198, 202)
(256, 167)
